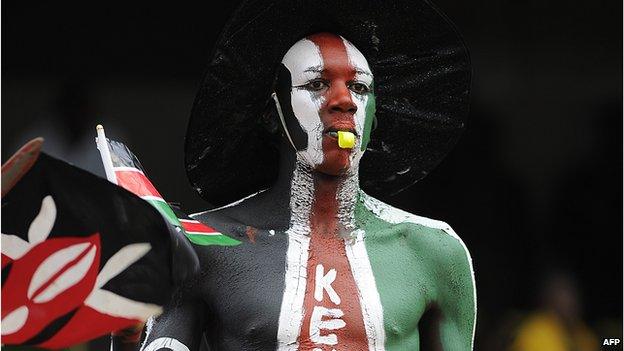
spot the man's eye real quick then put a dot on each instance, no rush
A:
(315, 85)
(359, 88)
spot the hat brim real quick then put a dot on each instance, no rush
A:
(422, 82)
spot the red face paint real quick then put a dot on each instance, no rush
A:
(337, 112)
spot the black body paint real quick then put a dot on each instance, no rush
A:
(235, 302)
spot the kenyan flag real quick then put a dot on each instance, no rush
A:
(129, 174)
(201, 234)
(81, 257)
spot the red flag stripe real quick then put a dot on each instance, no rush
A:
(196, 227)
(136, 182)
(128, 169)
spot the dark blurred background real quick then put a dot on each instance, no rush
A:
(534, 187)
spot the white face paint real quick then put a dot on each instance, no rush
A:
(300, 59)
(329, 95)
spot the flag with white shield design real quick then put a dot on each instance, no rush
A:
(81, 257)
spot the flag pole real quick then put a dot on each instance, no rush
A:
(102, 145)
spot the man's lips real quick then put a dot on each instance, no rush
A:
(333, 131)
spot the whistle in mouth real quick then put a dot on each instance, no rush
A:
(346, 140)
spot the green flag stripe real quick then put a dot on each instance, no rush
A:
(220, 239)
(165, 210)
(196, 238)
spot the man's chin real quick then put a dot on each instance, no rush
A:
(334, 169)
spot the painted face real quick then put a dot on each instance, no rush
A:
(325, 86)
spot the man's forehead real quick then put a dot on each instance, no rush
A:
(303, 56)
(307, 54)
(358, 61)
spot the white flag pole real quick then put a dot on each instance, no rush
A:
(102, 145)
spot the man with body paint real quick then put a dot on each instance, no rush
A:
(304, 104)
(322, 266)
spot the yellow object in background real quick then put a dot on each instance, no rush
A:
(543, 331)
(346, 140)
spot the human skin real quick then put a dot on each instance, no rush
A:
(323, 266)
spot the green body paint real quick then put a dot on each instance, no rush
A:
(368, 120)
(416, 267)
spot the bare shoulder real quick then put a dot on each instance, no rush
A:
(435, 245)
(422, 233)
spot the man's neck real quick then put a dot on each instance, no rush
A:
(325, 203)
(301, 198)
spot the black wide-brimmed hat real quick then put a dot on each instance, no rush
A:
(422, 80)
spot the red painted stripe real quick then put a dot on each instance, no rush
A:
(328, 248)
(196, 227)
(136, 183)
(326, 245)
(338, 107)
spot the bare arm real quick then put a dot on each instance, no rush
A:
(457, 300)
(449, 321)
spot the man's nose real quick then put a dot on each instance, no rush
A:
(340, 99)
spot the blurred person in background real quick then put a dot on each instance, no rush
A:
(557, 325)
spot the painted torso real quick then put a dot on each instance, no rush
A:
(322, 266)
(248, 301)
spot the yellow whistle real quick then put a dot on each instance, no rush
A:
(346, 140)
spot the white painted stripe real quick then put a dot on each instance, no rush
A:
(295, 277)
(303, 55)
(149, 325)
(394, 215)
(226, 206)
(128, 169)
(291, 313)
(363, 75)
(358, 62)
(370, 302)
